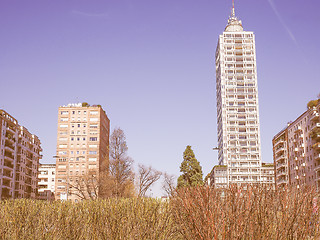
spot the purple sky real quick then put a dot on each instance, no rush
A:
(150, 64)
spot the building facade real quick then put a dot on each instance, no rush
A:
(296, 151)
(20, 152)
(237, 104)
(82, 146)
(281, 158)
(218, 176)
(46, 181)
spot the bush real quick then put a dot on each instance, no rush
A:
(254, 212)
(103, 219)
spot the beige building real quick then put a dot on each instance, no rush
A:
(20, 152)
(296, 151)
(82, 146)
(46, 181)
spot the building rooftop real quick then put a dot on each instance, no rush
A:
(234, 24)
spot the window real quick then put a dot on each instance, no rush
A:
(94, 112)
(93, 138)
(63, 125)
(64, 112)
(78, 125)
(92, 152)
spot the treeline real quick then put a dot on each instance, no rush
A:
(251, 212)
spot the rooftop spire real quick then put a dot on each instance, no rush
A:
(234, 24)
(233, 12)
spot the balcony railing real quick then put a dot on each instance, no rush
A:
(8, 164)
(317, 125)
(316, 146)
(280, 165)
(298, 129)
(315, 117)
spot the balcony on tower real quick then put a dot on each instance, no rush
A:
(298, 129)
(315, 116)
(316, 147)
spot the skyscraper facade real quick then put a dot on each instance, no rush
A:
(82, 147)
(237, 104)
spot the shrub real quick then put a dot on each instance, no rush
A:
(250, 212)
(254, 212)
(102, 219)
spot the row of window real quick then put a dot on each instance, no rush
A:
(79, 112)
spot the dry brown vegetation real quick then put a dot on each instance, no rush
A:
(114, 218)
(253, 212)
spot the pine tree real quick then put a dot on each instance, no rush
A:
(191, 170)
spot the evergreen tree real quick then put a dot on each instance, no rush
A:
(191, 170)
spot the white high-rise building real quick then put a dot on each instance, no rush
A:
(237, 104)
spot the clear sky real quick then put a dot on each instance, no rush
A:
(151, 65)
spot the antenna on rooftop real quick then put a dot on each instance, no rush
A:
(233, 12)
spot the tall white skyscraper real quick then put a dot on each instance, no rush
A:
(237, 104)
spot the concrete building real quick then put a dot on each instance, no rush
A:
(46, 181)
(296, 151)
(20, 152)
(237, 104)
(218, 175)
(280, 158)
(82, 146)
(267, 174)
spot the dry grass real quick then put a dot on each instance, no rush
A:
(193, 213)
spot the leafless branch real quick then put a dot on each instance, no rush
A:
(147, 176)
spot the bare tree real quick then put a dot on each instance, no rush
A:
(120, 176)
(84, 187)
(147, 176)
(169, 184)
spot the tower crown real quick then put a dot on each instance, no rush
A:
(234, 24)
